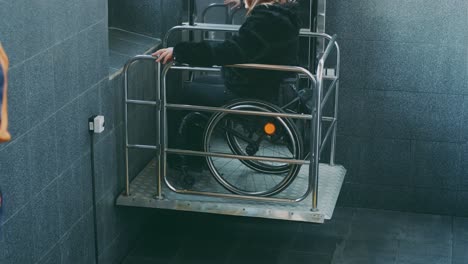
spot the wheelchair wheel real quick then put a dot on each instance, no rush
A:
(279, 145)
(249, 136)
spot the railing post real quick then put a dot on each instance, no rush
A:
(163, 127)
(127, 172)
(159, 194)
(337, 91)
(316, 138)
(126, 102)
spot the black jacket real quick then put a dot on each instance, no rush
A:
(270, 35)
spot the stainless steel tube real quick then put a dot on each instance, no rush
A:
(159, 194)
(337, 91)
(236, 196)
(215, 5)
(304, 32)
(199, 27)
(315, 143)
(316, 134)
(327, 136)
(326, 53)
(163, 123)
(203, 69)
(232, 111)
(330, 90)
(230, 156)
(126, 69)
(137, 146)
(141, 102)
(127, 172)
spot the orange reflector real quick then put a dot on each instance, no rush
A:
(269, 128)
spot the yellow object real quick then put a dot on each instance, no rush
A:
(4, 134)
(269, 129)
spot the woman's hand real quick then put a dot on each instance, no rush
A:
(233, 3)
(164, 55)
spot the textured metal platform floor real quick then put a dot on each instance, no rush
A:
(143, 189)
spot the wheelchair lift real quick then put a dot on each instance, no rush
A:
(310, 197)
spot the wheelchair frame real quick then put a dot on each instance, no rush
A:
(317, 144)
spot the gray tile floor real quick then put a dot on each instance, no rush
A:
(125, 45)
(358, 236)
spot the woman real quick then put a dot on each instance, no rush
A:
(270, 35)
(4, 135)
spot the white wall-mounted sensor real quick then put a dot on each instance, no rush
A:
(96, 124)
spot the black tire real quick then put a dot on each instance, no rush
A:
(290, 170)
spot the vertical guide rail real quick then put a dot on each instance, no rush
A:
(317, 126)
(337, 91)
(316, 139)
(160, 150)
(127, 172)
(163, 124)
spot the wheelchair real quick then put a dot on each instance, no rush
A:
(250, 137)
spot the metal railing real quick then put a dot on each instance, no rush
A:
(304, 32)
(317, 84)
(227, 14)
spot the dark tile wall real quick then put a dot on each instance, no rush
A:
(59, 77)
(402, 133)
(148, 17)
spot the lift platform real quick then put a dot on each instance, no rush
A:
(310, 197)
(143, 193)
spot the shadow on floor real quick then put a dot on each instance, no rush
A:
(358, 236)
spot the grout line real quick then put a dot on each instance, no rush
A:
(57, 110)
(119, 53)
(87, 211)
(403, 91)
(443, 44)
(135, 33)
(400, 139)
(56, 44)
(60, 240)
(412, 187)
(117, 237)
(29, 201)
(453, 242)
(83, 155)
(110, 244)
(134, 41)
(47, 186)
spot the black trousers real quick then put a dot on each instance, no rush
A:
(207, 90)
(186, 128)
